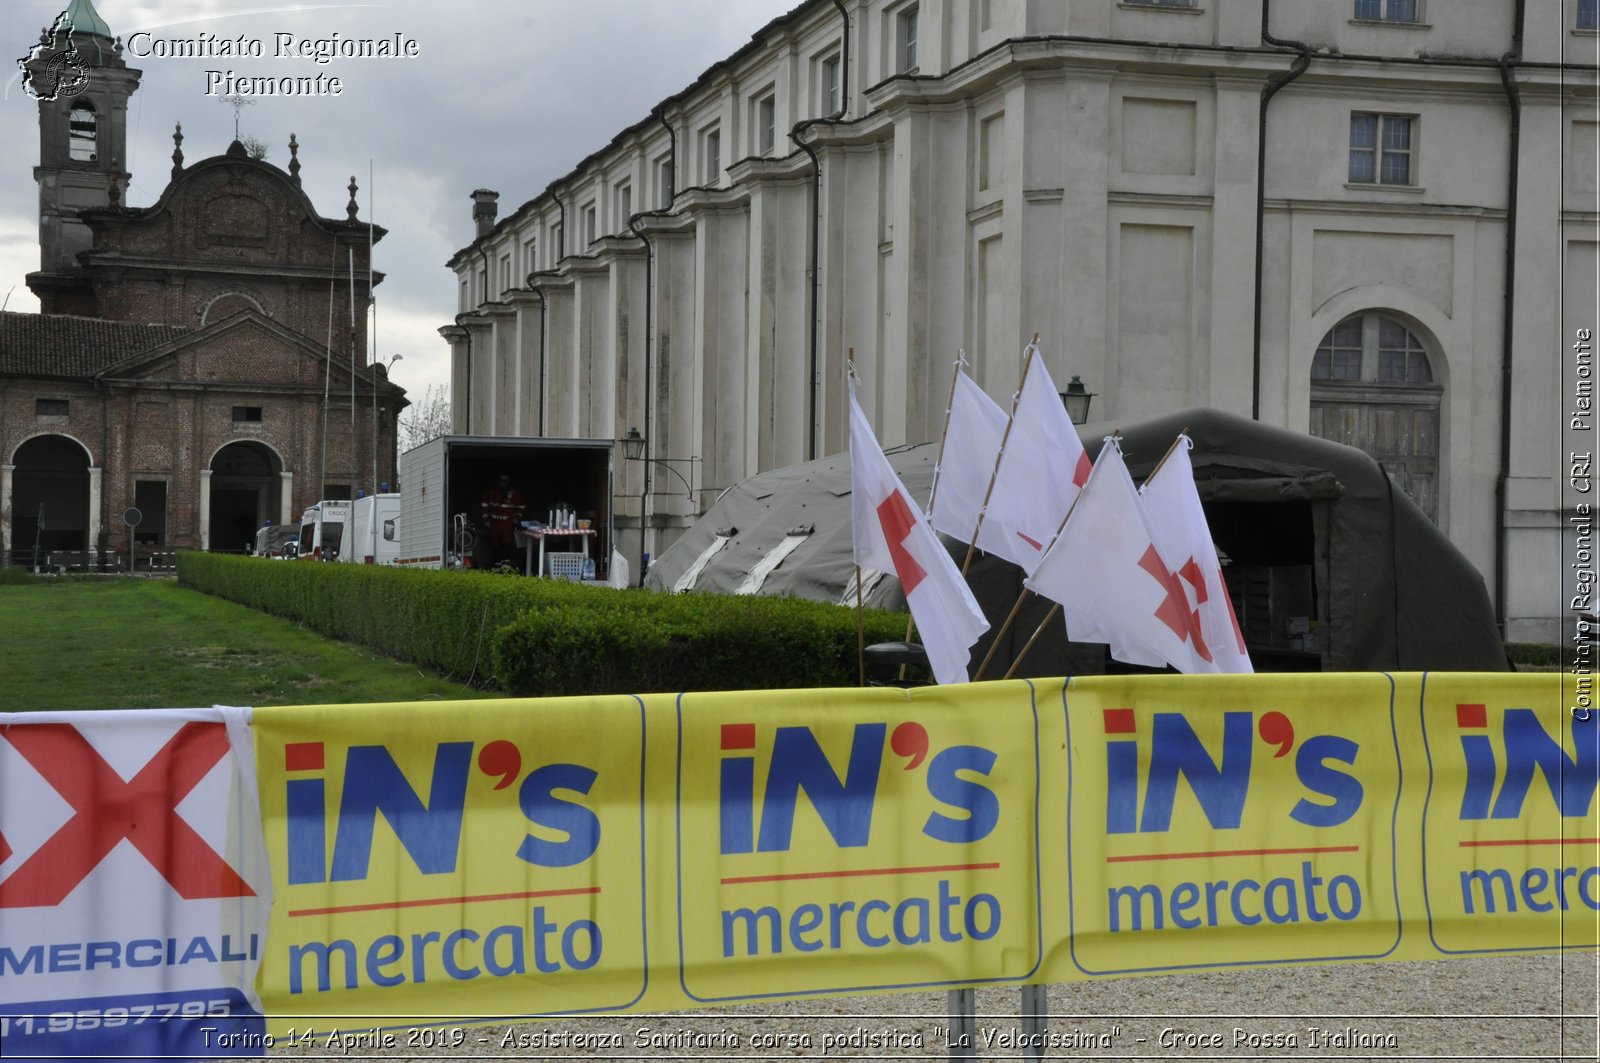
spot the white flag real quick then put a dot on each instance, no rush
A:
(966, 464)
(1041, 472)
(891, 535)
(1113, 585)
(1182, 535)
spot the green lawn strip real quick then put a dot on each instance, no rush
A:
(99, 644)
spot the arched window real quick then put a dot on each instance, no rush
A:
(82, 123)
(1373, 386)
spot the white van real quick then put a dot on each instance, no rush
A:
(374, 533)
(322, 529)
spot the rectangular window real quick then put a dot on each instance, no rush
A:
(664, 186)
(830, 84)
(1339, 358)
(483, 284)
(530, 257)
(243, 414)
(1380, 149)
(991, 149)
(505, 273)
(1387, 10)
(1588, 14)
(624, 205)
(50, 407)
(559, 240)
(1160, 3)
(985, 14)
(711, 156)
(1401, 359)
(588, 225)
(766, 116)
(906, 40)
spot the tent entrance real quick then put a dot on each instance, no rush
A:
(1270, 549)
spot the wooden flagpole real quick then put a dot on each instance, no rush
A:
(1026, 591)
(861, 631)
(1182, 435)
(938, 465)
(972, 544)
(861, 636)
(1051, 615)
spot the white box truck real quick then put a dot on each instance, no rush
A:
(445, 483)
(374, 534)
(322, 530)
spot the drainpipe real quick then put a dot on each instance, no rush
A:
(1508, 81)
(561, 242)
(1298, 67)
(649, 324)
(814, 268)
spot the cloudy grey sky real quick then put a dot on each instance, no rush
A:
(505, 94)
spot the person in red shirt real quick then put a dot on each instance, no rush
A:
(502, 509)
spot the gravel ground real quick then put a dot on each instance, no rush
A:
(1500, 1008)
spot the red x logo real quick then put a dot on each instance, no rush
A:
(107, 809)
(898, 520)
(1174, 609)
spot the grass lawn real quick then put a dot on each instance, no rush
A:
(117, 644)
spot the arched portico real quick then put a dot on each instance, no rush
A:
(49, 498)
(241, 488)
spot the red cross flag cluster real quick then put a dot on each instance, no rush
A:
(1135, 569)
(892, 535)
(1138, 571)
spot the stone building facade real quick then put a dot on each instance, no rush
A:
(202, 359)
(1373, 220)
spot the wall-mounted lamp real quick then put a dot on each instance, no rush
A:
(1076, 399)
(632, 445)
(633, 450)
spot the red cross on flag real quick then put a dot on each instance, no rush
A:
(1112, 581)
(1040, 473)
(892, 535)
(1178, 523)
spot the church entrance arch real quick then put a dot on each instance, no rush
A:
(49, 497)
(244, 494)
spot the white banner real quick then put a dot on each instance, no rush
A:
(134, 886)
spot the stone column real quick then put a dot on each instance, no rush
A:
(6, 476)
(95, 476)
(286, 514)
(205, 509)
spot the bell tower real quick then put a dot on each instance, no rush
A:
(77, 74)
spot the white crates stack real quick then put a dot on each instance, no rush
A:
(567, 566)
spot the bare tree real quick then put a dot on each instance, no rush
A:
(428, 417)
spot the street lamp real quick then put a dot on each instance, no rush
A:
(1076, 399)
(633, 449)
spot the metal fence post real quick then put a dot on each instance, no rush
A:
(962, 1034)
(1035, 1020)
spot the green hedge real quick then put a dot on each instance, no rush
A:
(545, 637)
(1541, 654)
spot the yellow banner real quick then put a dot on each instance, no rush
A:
(501, 859)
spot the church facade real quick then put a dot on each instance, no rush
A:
(1369, 220)
(201, 360)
